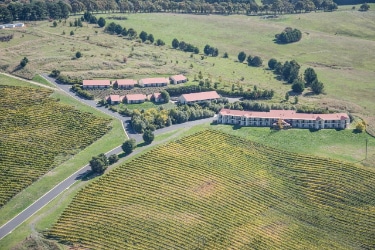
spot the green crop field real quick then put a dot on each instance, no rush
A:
(37, 134)
(211, 190)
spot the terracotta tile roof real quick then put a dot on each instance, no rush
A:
(285, 114)
(200, 96)
(114, 98)
(157, 95)
(178, 78)
(136, 97)
(154, 80)
(96, 82)
(126, 82)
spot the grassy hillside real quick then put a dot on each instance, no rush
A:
(37, 134)
(215, 191)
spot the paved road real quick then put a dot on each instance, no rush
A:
(65, 184)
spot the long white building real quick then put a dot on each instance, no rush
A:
(288, 118)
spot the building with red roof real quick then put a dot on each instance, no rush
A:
(198, 97)
(177, 79)
(287, 118)
(114, 99)
(153, 82)
(125, 83)
(93, 84)
(157, 97)
(135, 98)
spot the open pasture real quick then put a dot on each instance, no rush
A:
(211, 190)
(37, 134)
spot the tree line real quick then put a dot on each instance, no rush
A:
(39, 10)
(289, 72)
(289, 35)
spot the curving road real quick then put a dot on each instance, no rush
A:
(8, 227)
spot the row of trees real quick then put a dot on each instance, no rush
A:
(34, 11)
(82, 93)
(187, 47)
(289, 72)
(210, 51)
(100, 162)
(153, 119)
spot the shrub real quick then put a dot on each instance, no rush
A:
(78, 54)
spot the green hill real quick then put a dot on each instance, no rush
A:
(212, 190)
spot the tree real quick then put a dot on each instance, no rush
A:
(118, 29)
(165, 96)
(287, 96)
(175, 43)
(143, 36)
(272, 63)
(101, 22)
(54, 24)
(78, 54)
(241, 56)
(151, 38)
(225, 55)
(298, 86)
(112, 159)
(310, 76)
(207, 49)
(160, 42)
(148, 136)
(72, 33)
(295, 99)
(129, 145)
(317, 87)
(99, 163)
(55, 73)
(364, 7)
(24, 61)
(256, 61)
(360, 126)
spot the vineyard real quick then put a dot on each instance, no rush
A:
(212, 190)
(37, 133)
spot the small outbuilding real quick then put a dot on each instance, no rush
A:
(157, 97)
(115, 99)
(177, 79)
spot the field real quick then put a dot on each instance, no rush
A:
(37, 134)
(337, 50)
(211, 190)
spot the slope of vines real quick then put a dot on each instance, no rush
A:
(211, 190)
(35, 131)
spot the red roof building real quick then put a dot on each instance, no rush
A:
(135, 98)
(157, 97)
(198, 97)
(100, 84)
(296, 120)
(125, 83)
(154, 82)
(177, 79)
(114, 99)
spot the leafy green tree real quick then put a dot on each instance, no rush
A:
(78, 54)
(54, 24)
(112, 159)
(249, 58)
(364, 7)
(256, 61)
(225, 55)
(99, 163)
(72, 33)
(160, 42)
(101, 22)
(241, 56)
(24, 62)
(111, 27)
(317, 87)
(165, 95)
(151, 38)
(175, 43)
(93, 20)
(118, 29)
(310, 76)
(295, 99)
(298, 86)
(272, 63)
(207, 49)
(148, 136)
(287, 96)
(143, 36)
(129, 145)
(55, 73)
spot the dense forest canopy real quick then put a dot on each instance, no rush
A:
(40, 9)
